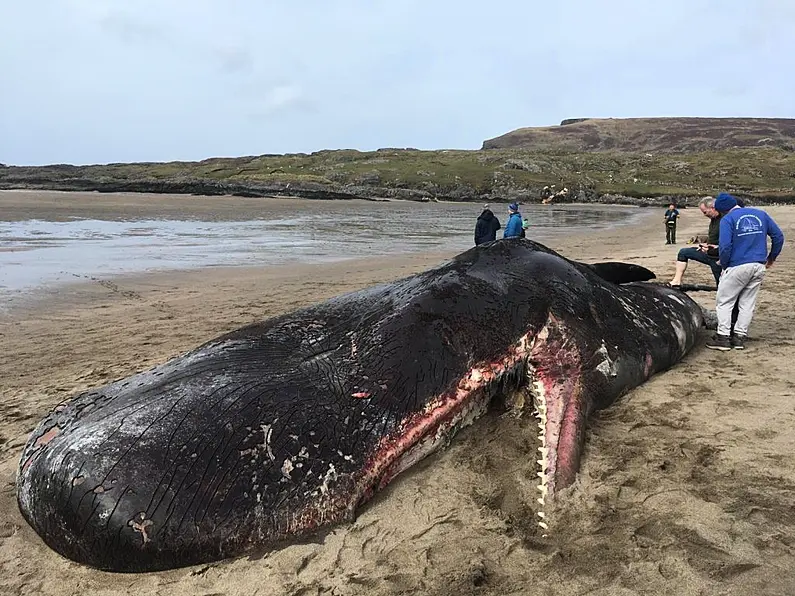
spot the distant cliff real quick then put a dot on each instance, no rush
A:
(652, 135)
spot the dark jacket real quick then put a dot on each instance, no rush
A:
(486, 227)
(713, 235)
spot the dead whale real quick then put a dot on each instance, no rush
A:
(285, 427)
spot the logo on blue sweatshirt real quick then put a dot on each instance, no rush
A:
(749, 224)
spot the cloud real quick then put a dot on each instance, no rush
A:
(281, 98)
(102, 80)
(233, 60)
(130, 29)
(148, 28)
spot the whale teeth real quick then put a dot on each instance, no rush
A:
(537, 390)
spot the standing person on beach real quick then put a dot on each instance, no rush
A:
(486, 226)
(671, 215)
(525, 225)
(513, 229)
(744, 258)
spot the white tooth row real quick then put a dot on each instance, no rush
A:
(541, 414)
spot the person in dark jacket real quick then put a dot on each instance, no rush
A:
(670, 217)
(707, 252)
(486, 226)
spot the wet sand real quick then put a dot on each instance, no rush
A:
(687, 484)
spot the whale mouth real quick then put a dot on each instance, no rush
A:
(539, 371)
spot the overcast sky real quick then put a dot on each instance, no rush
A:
(93, 81)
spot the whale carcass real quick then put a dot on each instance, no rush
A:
(285, 427)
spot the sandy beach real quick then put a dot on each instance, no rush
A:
(687, 485)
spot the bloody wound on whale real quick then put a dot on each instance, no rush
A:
(286, 427)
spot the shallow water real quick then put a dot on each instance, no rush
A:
(40, 253)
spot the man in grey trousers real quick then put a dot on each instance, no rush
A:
(743, 255)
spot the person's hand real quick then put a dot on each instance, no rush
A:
(769, 264)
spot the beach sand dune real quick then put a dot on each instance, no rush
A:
(687, 485)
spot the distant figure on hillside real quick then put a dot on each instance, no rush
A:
(486, 226)
(513, 229)
(670, 217)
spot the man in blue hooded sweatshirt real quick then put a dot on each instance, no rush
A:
(513, 229)
(743, 255)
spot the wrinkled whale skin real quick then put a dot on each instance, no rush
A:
(285, 427)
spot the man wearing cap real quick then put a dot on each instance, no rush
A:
(513, 229)
(743, 255)
(486, 226)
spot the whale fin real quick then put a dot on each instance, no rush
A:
(621, 273)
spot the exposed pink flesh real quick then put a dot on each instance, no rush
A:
(41, 442)
(437, 415)
(556, 359)
(557, 366)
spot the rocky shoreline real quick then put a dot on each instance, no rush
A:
(762, 177)
(208, 187)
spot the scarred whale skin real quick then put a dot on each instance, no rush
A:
(285, 427)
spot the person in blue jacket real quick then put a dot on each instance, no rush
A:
(513, 228)
(744, 258)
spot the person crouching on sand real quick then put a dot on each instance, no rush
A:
(706, 252)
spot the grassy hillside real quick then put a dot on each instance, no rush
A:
(670, 135)
(764, 173)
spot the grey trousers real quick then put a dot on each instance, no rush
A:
(738, 284)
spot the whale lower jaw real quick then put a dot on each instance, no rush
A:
(513, 380)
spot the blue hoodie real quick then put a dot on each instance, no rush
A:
(513, 229)
(743, 237)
